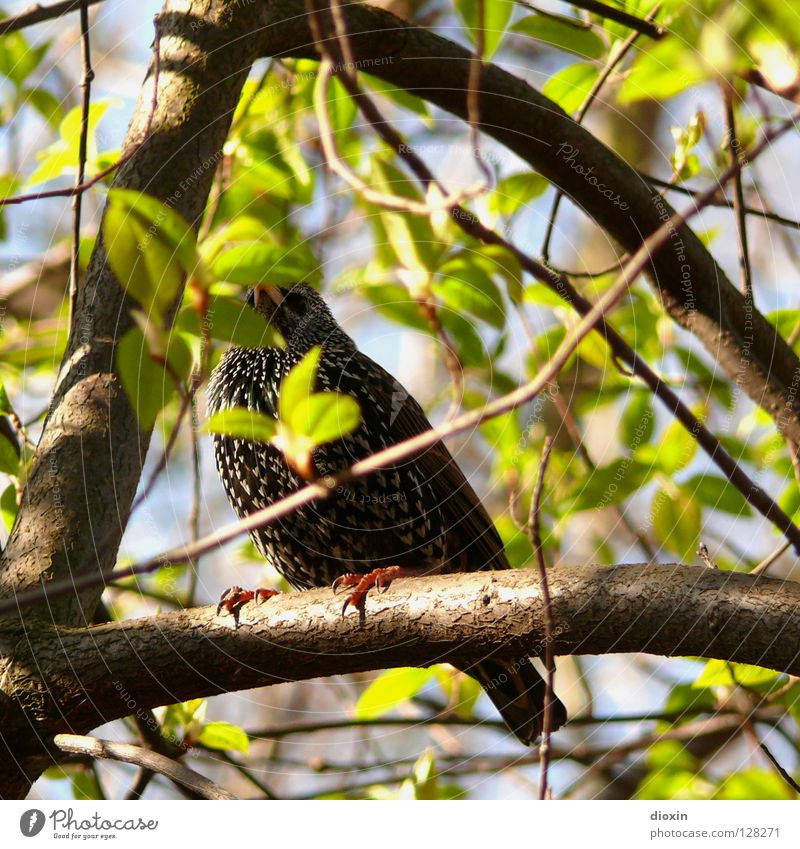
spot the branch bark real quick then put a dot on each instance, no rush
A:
(109, 671)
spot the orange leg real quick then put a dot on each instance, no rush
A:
(380, 578)
(235, 598)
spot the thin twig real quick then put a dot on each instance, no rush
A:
(436, 203)
(733, 145)
(612, 13)
(535, 531)
(136, 755)
(86, 98)
(770, 559)
(720, 200)
(474, 94)
(37, 13)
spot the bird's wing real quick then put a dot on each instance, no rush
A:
(472, 539)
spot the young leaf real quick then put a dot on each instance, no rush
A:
(390, 689)
(148, 385)
(242, 423)
(298, 385)
(325, 416)
(8, 505)
(149, 248)
(496, 15)
(225, 737)
(564, 33)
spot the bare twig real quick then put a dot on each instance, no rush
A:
(470, 224)
(612, 13)
(77, 199)
(770, 559)
(535, 530)
(37, 13)
(127, 753)
(733, 145)
(720, 200)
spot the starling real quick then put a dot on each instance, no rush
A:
(414, 517)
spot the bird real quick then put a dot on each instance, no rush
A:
(417, 516)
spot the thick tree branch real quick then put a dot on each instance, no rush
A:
(138, 664)
(694, 289)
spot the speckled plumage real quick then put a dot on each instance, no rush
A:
(420, 514)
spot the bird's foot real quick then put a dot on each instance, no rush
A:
(235, 598)
(380, 578)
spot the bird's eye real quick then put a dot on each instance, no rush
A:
(296, 303)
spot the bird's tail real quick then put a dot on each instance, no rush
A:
(518, 692)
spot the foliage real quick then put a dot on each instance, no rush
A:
(625, 481)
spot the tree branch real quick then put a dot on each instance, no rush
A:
(136, 755)
(139, 664)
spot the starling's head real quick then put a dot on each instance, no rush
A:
(299, 313)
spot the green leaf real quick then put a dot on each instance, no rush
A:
(638, 421)
(390, 689)
(45, 103)
(242, 423)
(225, 737)
(298, 385)
(513, 193)
(677, 519)
(18, 59)
(411, 236)
(570, 86)
(717, 673)
(9, 458)
(564, 33)
(325, 416)
(149, 248)
(85, 785)
(609, 484)
(248, 263)
(718, 494)
(169, 226)
(5, 404)
(8, 506)
(690, 697)
(676, 449)
(230, 320)
(750, 784)
(148, 385)
(466, 287)
(653, 74)
(496, 15)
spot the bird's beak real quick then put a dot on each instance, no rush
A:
(263, 290)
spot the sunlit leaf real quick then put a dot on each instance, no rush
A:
(390, 689)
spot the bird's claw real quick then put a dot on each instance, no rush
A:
(235, 598)
(380, 578)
